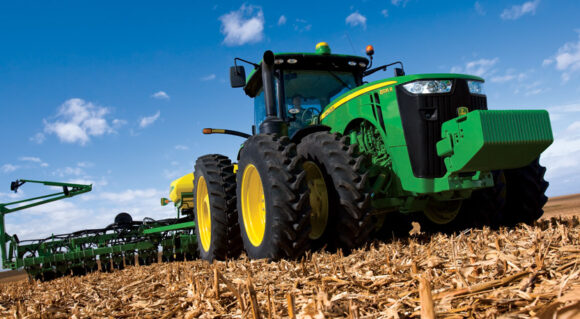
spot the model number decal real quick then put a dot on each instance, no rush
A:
(386, 90)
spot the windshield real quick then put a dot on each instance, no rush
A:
(260, 106)
(308, 92)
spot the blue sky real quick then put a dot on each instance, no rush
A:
(116, 93)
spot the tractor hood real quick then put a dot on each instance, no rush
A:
(394, 81)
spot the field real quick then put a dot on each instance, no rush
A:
(521, 272)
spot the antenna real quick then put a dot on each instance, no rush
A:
(349, 41)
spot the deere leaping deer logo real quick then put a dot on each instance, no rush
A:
(462, 110)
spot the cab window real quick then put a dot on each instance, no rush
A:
(307, 92)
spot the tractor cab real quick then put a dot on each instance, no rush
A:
(303, 84)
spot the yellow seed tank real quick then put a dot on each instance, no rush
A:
(180, 192)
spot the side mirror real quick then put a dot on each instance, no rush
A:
(399, 72)
(237, 76)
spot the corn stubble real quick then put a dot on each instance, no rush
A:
(522, 272)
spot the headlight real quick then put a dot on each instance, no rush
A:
(429, 87)
(475, 87)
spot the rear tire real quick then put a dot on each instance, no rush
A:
(346, 177)
(272, 198)
(216, 216)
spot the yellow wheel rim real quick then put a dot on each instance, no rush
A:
(253, 205)
(318, 200)
(203, 213)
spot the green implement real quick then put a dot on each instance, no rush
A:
(122, 243)
(68, 190)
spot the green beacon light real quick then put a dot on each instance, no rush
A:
(322, 48)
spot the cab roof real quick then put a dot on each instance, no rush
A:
(307, 61)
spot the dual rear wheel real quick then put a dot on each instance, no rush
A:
(287, 198)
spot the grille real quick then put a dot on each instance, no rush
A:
(422, 117)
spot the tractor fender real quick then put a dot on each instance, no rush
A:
(303, 132)
(300, 134)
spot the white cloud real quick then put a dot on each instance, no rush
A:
(117, 123)
(68, 132)
(547, 62)
(517, 11)
(33, 160)
(385, 13)
(510, 75)
(563, 156)
(208, 77)
(78, 120)
(148, 120)
(282, 20)
(397, 3)
(574, 127)
(479, 8)
(245, 25)
(564, 112)
(52, 218)
(38, 138)
(12, 196)
(68, 171)
(88, 180)
(172, 174)
(302, 25)
(567, 59)
(503, 78)
(9, 168)
(85, 164)
(356, 19)
(536, 91)
(161, 95)
(481, 67)
(82, 181)
(181, 147)
(30, 159)
(129, 195)
(529, 88)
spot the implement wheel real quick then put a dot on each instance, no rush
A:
(214, 197)
(337, 176)
(272, 198)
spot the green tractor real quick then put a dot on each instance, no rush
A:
(333, 159)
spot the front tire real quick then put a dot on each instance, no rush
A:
(272, 198)
(525, 194)
(518, 196)
(214, 196)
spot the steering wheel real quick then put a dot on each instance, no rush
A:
(312, 111)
